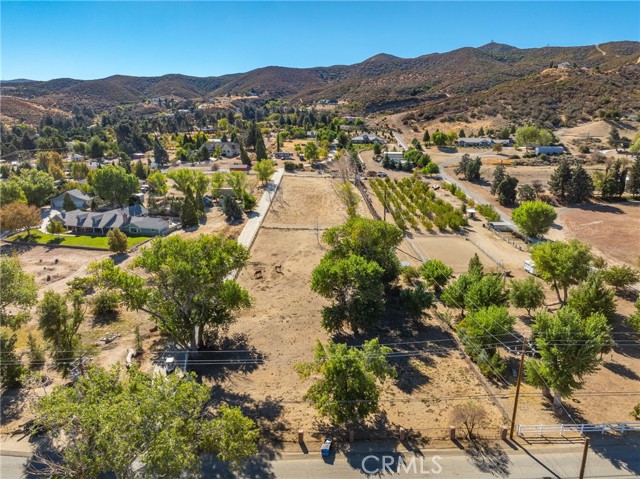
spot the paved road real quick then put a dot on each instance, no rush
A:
(400, 140)
(255, 219)
(613, 460)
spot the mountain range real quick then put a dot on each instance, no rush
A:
(430, 85)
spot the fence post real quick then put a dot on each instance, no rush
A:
(503, 433)
(403, 434)
(300, 436)
(452, 433)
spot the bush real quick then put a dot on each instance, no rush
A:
(55, 227)
(416, 300)
(289, 166)
(105, 303)
(488, 211)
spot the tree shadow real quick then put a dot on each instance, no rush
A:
(489, 458)
(598, 208)
(621, 370)
(12, 404)
(229, 354)
(623, 453)
(105, 319)
(626, 340)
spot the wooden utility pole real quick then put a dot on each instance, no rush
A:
(515, 402)
(384, 207)
(584, 457)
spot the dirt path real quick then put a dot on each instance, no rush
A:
(601, 50)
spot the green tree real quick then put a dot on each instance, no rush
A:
(469, 168)
(481, 331)
(426, 137)
(185, 178)
(453, 295)
(435, 273)
(634, 318)
(114, 185)
(593, 296)
(185, 289)
(244, 156)
(377, 149)
(527, 193)
(581, 186)
(189, 214)
(158, 183)
(534, 218)
(484, 292)
(475, 267)
(68, 204)
(37, 186)
(160, 155)
(140, 170)
(117, 241)
(355, 286)
(507, 190)
(499, 174)
(633, 178)
(620, 277)
(18, 216)
(371, 239)
(79, 170)
(131, 424)
(261, 150)
(569, 347)
(11, 192)
(56, 227)
(439, 138)
(265, 169)
(237, 181)
(527, 294)
(11, 368)
(96, 147)
(614, 137)
(231, 208)
(615, 178)
(562, 264)
(19, 292)
(217, 182)
(561, 180)
(531, 136)
(311, 151)
(59, 327)
(347, 386)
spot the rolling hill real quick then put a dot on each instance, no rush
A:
(437, 83)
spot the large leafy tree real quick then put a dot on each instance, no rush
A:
(532, 136)
(620, 277)
(373, 240)
(347, 386)
(158, 183)
(562, 264)
(534, 218)
(37, 185)
(132, 424)
(469, 168)
(633, 179)
(11, 367)
(570, 347)
(485, 291)
(11, 192)
(18, 216)
(355, 286)
(189, 178)
(19, 292)
(264, 169)
(185, 288)
(593, 296)
(114, 185)
(435, 273)
(160, 154)
(581, 186)
(527, 294)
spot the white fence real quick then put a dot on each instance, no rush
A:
(543, 429)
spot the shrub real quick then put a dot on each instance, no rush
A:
(488, 211)
(289, 166)
(105, 303)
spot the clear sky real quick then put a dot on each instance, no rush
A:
(86, 40)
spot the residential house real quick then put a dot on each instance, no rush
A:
(137, 156)
(238, 167)
(482, 142)
(212, 143)
(147, 226)
(229, 149)
(81, 200)
(366, 139)
(283, 155)
(100, 222)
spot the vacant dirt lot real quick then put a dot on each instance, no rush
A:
(307, 201)
(612, 229)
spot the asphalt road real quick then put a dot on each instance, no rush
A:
(620, 459)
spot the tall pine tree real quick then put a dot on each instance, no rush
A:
(560, 180)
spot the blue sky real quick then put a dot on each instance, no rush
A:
(85, 40)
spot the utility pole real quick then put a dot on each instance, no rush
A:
(584, 457)
(515, 402)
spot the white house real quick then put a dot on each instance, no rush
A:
(366, 139)
(394, 155)
(475, 142)
(81, 200)
(229, 149)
